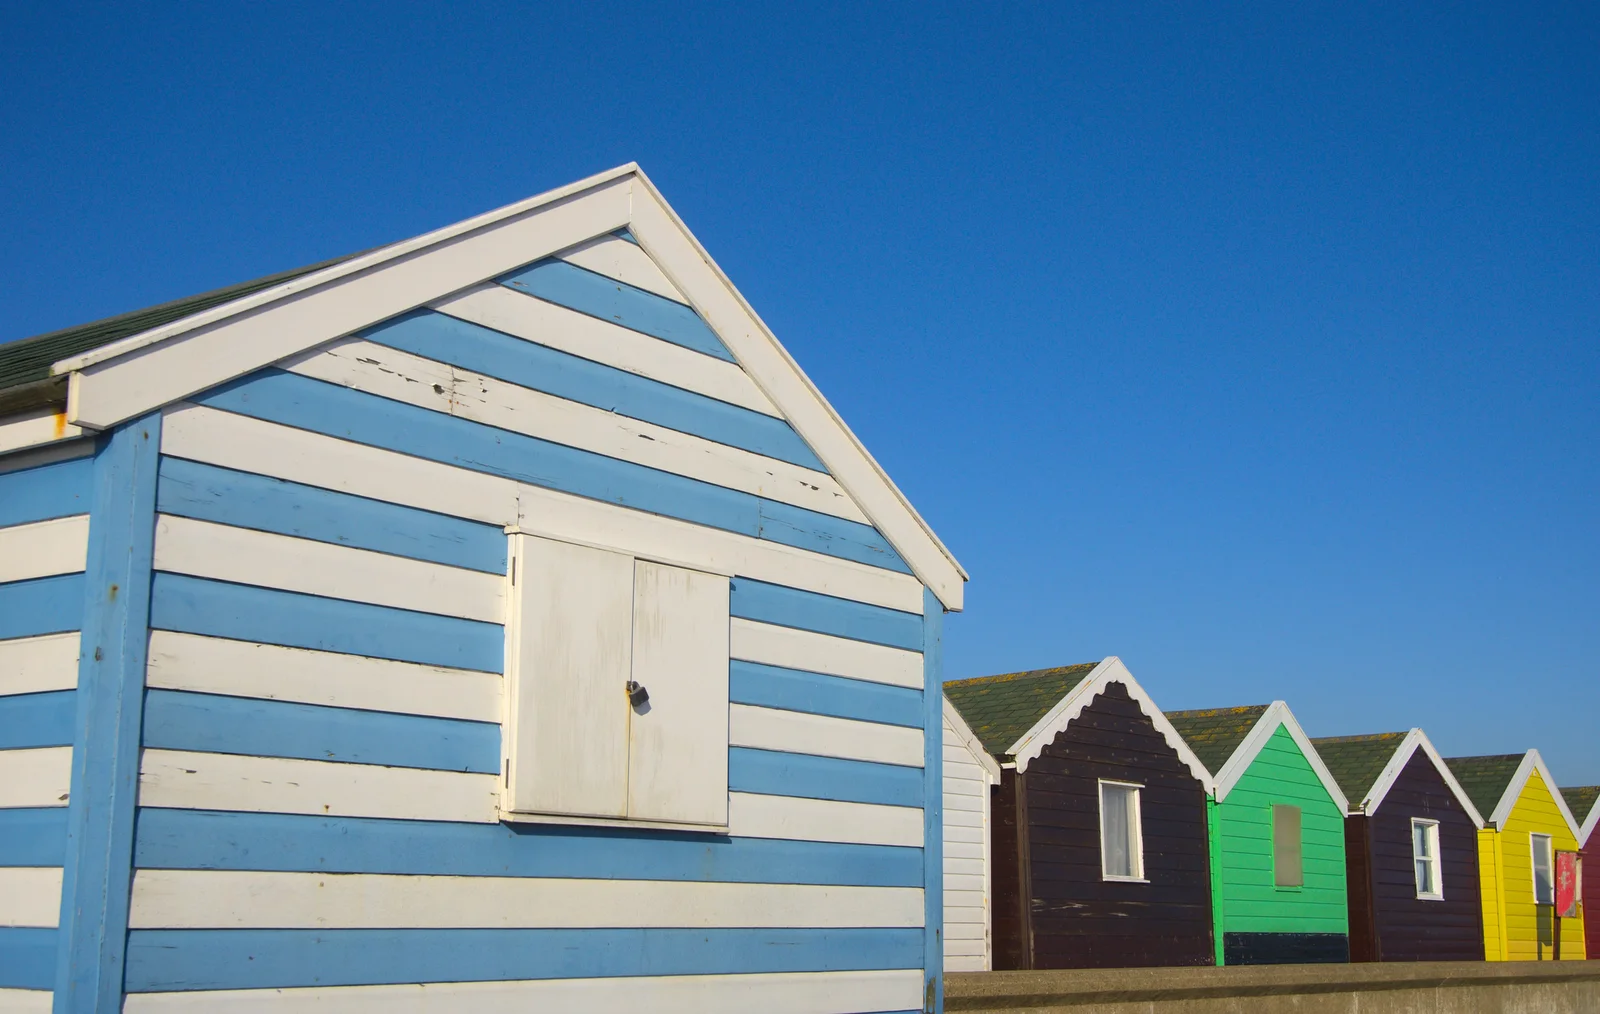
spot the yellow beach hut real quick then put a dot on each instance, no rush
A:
(1526, 823)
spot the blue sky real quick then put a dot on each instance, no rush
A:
(1255, 345)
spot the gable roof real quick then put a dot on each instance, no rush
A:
(1228, 740)
(999, 709)
(272, 319)
(1215, 734)
(970, 741)
(1367, 767)
(1496, 781)
(1582, 801)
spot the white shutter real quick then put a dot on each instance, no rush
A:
(678, 751)
(569, 649)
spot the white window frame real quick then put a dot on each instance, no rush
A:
(1533, 866)
(1136, 831)
(1435, 860)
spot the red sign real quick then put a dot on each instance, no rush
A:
(1569, 876)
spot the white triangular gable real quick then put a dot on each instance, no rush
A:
(1531, 762)
(1277, 714)
(168, 364)
(1414, 740)
(1067, 710)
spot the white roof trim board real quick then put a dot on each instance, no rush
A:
(1531, 762)
(964, 733)
(1414, 740)
(1110, 670)
(1587, 828)
(1277, 714)
(144, 372)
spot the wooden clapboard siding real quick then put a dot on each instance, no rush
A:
(48, 491)
(622, 259)
(1529, 934)
(44, 548)
(820, 653)
(1590, 899)
(29, 1001)
(30, 895)
(44, 662)
(1404, 927)
(966, 866)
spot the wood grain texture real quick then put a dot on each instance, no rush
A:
(31, 665)
(44, 548)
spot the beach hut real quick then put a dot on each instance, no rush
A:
(1526, 822)
(494, 620)
(1584, 802)
(1411, 845)
(969, 776)
(1098, 852)
(1276, 823)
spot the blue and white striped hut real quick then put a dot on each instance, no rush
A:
(495, 621)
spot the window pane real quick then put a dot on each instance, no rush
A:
(1543, 888)
(1419, 841)
(1116, 830)
(1425, 877)
(1287, 869)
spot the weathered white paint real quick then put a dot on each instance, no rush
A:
(236, 441)
(616, 258)
(678, 741)
(781, 993)
(214, 665)
(969, 773)
(751, 815)
(233, 899)
(246, 556)
(522, 316)
(30, 895)
(441, 387)
(770, 644)
(35, 665)
(824, 735)
(26, 1001)
(37, 777)
(36, 427)
(215, 781)
(44, 548)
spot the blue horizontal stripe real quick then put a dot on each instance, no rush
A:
(172, 960)
(797, 774)
(447, 339)
(770, 686)
(27, 957)
(195, 605)
(199, 839)
(50, 491)
(176, 720)
(34, 836)
(616, 302)
(46, 605)
(825, 614)
(348, 414)
(195, 490)
(35, 720)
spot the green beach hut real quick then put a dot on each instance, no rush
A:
(1276, 824)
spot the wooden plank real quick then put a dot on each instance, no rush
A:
(781, 993)
(52, 490)
(44, 548)
(27, 1001)
(797, 732)
(796, 774)
(28, 721)
(794, 607)
(617, 258)
(30, 665)
(233, 899)
(678, 740)
(215, 665)
(284, 452)
(400, 376)
(41, 777)
(33, 836)
(504, 310)
(30, 895)
(39, 426)
(758, 816)
(771, 686)
(568, 655)
(214, 781)
(263, 559)
(770, 644)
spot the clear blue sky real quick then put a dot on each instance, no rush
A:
(1256, 346)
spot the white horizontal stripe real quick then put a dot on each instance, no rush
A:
(31, 895)
(757, 816)
(963, 818)
(798, 732)
(836, 656)
(969, 927)
(44, 548)
(232, 899)
(26, 1001)
(957, 801)
(236, 441)
(33, 665)
(964, 851)
(780, 993)
(450, 390)
(958, 883)
(955, 834)
(616, 258)
(39, 777)
(213, 665)
(214, 781)
(41, 426)
(515, 313)
(186, 546)
(963, 962)
(957, 864)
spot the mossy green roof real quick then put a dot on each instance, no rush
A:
(1215, 734)
(1581, 801)
(999, 709)
(1356, 761)
(1484, 779)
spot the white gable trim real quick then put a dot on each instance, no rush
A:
(1277, 714)
(1415, 740)
(1067, 710)
(1531, 762)
(167, 364)
(963, 731)
(1588, 826)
